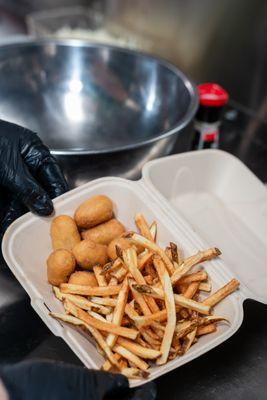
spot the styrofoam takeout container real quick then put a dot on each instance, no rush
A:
(199, 199)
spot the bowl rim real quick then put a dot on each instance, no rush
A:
(191, 87)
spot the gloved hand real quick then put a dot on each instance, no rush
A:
(57, 381)
(29, 175)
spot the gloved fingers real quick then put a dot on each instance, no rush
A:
(107, 385)
(51, 380)
(144, 392)
(43, 165)
(52, 178)
(25, 188)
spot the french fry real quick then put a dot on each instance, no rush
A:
(174, 252)
(142, 321)
(131, 357)
(192, 325)
(119, 311)
(153, 230)
(189, 262)
(223, 292)
(195, 277)
(170, 308)
(101, 280)
(138, 350)
(144, 260)
(143, 227)
(211, 319)
(150, 270)
(109, 317)
(85, 304)
(148, 279)
(155, 344)
(111, 266)
(205, 329)
(113, 282)
(179, 299)
(130, 311)
(102, 326)
(94, 332)
(123, 364)
(139, 298)
(188, 341)
(105, 301)
(130, 261)
(119, 274)
(107, 365)
(96, 315)
(138, 239)
(134, 373)
(90, 291)
(205, 286)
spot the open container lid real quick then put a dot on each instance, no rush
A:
(224, 202)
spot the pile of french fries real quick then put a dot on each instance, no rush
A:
(148, 307)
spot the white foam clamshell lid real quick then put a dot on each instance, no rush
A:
(26, 244)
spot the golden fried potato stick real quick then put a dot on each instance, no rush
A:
(101, 280)
(119, 311)
(130, 311)
(143, 260)
(143, 352)
(90, 291)
(139, 298)
(153, 230)
(113, 281)
(155, 344)
(131, 357)
(170, 307)
(179, 299)
(189, 340)
(143, 227)
(195, 277)
(105, 301)
(142, 321)
(174, 253)
(94, 332)
(189, 262)
(223, 292)
(130, 261)
(205, 286)
(109, 317)
(148, 244)
(148, 279)
(205, 329)
(102, 326)
(134, 373)
(97, 316)
(211, 319)
(85, 304)
(111, 266)
(107, 366)
(192, 325)
(119, 274)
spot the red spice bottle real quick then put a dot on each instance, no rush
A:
(212, 99)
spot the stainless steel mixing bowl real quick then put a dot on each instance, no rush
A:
(101, 110)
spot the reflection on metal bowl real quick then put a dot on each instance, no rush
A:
(101, 110)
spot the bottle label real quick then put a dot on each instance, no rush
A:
(206, 135)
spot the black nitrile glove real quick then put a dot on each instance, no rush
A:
(57, 381)
(29, 175)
